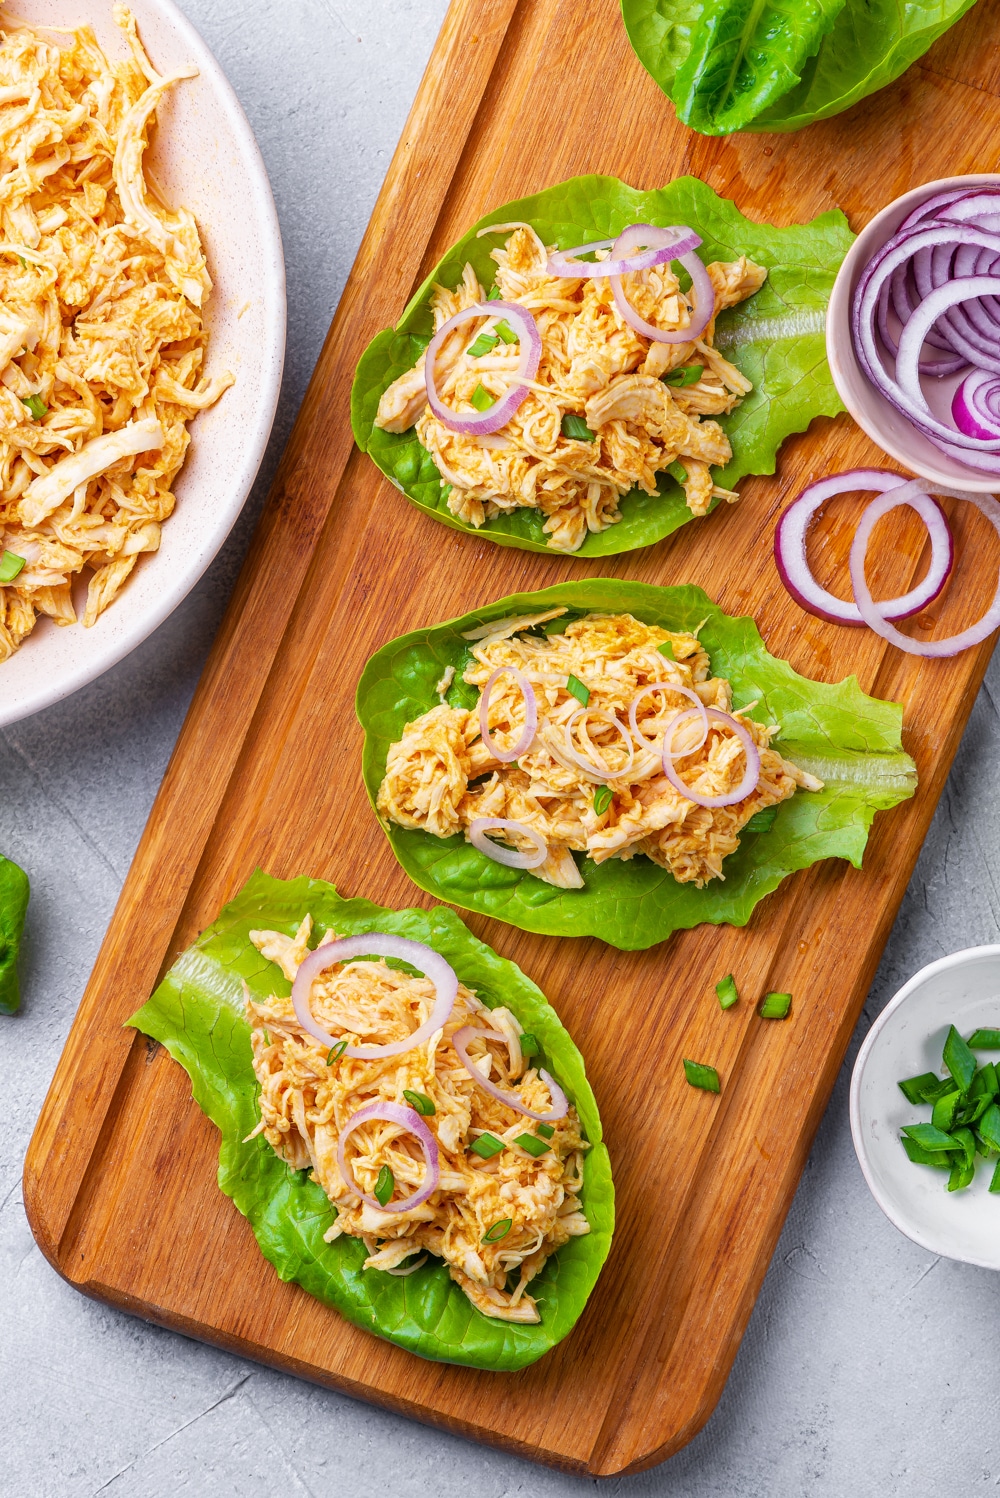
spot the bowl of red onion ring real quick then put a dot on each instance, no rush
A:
(913, 331)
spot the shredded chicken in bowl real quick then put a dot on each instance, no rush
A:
(102, 339)
(642, 412)
(441, 776)
(494, 1221)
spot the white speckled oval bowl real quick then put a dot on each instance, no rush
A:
(906, 1039)
(203, 156)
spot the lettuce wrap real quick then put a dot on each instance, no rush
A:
(197, 1013)
(776, 339)
(849, 740)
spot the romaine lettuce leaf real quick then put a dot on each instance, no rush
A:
(14, 893)
(197, 1013)
(778, 65)
(851, 741)
(776, 338)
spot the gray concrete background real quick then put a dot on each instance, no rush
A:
(869, 1367)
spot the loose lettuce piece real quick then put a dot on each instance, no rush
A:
(778, 65)
(851, 741)
(776, 338)
(14, 893)
(198, 1014)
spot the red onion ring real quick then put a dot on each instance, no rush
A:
(793, 528)
(483, 423)
(511, 858)
(560, 1102)
(976, 405)
(751, 775)
(597, 766)
(663, 245)
(381, 944)
(666, 686)
(409, 1119)
(701, 286)
(907, 382)
(507, 756)
(871, 611)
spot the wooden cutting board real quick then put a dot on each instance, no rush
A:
(120, 1177)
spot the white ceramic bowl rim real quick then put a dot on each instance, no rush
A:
(37, 683)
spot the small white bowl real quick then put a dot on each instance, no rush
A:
(907, 1038)
(203, 156)
(870, 409)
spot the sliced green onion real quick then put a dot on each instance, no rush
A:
(946, 1084)
(761, 821)
(529, 1045)
(985, 1040)
(943, 1116)
(576, 429)
(989, 1127)
(965, 1139)
(959, 1059)
(547, 1130)
(667, 649)
(336, 1052)
(726, 991)
(961, 1175)
(985, 1082)
(35, 405)
(384, 1186)
(10, 565)
(929, 1137)
(914, 1089)
(533, 1146)
(776, 1006)
(603, 797)
(995, 1183)
(420, 1101)
(484, 344)
(576, 688)
(920, 1156)
(495, 294)
(498, 1230)
(481, 399)
(24, 263)
(681, 378)
(486, 1146)
(504, 331)
(705, 1077)
(974, 1110)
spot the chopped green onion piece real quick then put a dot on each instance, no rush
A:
(498, 1230)
(603, 797)
(10, 565)
(985, 1082)
(667, 649)
(945, 1085)
(920, 1156)
(985, 1040)
(681, 378)
(529, 1045)
(484, 344)
(547, 1130)
(973, 1111)
(726, 991)
(336, 1052)
(420, 1101)
(961, 1175)
(995, 1183)
(989, 1127)
(914, 1089)
(384, 1186)
(481, 399)
(705, 1077)
(965, 1139)
(776, 1006)
(534, 1146)
(486, 1146)
(959, 1059)
(929, 1137)
(504, 331)
(943, 1116)
(576, 688)
(495, 294)
(576, 429)
(24, 263)
(35, 405)
(761, 821)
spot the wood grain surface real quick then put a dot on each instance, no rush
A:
(120, 1177)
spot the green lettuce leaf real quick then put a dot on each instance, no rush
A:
(198, 1014)
(779, 64)
(776, 338)
(14, 893)
(851, 741)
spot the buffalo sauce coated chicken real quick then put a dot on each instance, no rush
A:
(308, 1096)
(441, 776)
(102, 342)
(593, 365)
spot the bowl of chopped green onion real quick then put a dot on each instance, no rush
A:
(925, 1107)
